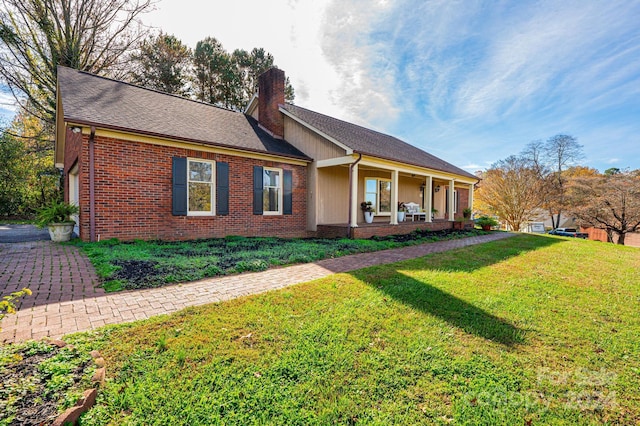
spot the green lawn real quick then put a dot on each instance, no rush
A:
(142, 264)
(526, 330)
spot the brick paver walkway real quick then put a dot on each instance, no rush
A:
(66, 300)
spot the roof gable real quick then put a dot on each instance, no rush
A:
(93, 100)
(367, 141)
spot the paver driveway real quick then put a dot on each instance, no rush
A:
(65, 298)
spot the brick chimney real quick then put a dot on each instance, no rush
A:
(270, 96)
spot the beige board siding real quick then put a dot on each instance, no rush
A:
(309, 142)
(409, 190)
(440, 202)
(333, 195)
(312, 192)
(328, 193)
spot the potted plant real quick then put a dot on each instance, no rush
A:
(466, 213)
(434, 212)
(368, 210)
(57, 217)
(402, 210)
(486, 222)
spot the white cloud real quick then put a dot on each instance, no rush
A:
(472, 167)
(365, 91)
(7, 101)
(8, 106)
(288, 29)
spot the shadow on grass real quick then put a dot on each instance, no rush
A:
(455, 311)
(471, 258)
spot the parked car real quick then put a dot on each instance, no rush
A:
(569, 232)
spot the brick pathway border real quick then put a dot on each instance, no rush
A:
(59, 318)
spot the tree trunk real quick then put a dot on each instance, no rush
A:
(621, 238)
(554, 225)
(558, 218)
(609, 235)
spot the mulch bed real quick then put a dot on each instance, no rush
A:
(24, 397)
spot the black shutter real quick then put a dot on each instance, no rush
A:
(222, 189)
(458, 200)
(179, 202)
(257, 190)
(446, 201)
(287, 197)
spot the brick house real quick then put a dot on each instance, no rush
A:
(142, 164)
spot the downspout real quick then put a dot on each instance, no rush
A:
(92, 195)
(351, 166)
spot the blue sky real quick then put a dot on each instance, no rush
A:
(470, 81)
(474, 82)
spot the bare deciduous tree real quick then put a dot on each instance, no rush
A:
(550, 160)
(610, 202)
(38, 35)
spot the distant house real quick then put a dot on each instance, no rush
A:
(148, 165)
(540, 222)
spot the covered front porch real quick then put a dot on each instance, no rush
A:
(343, 184)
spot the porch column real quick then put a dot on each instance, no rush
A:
(355, 208)
(394, 197)
(471, 186)
(452, 198)
(427, 195)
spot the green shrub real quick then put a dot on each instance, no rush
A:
(8, 303)
(56, 212)
(486, 221)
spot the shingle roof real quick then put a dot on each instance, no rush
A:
(91, 99)
(367, 141)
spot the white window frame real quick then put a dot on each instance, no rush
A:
(374, 205)
(377, 204)
(455, 200)
(212, 185)
(280, 191)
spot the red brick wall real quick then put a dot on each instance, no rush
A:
(404, 228)
(463, 202)
(133, 191)
(270, 95)
(332, 231)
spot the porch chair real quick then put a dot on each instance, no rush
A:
(413, 210)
